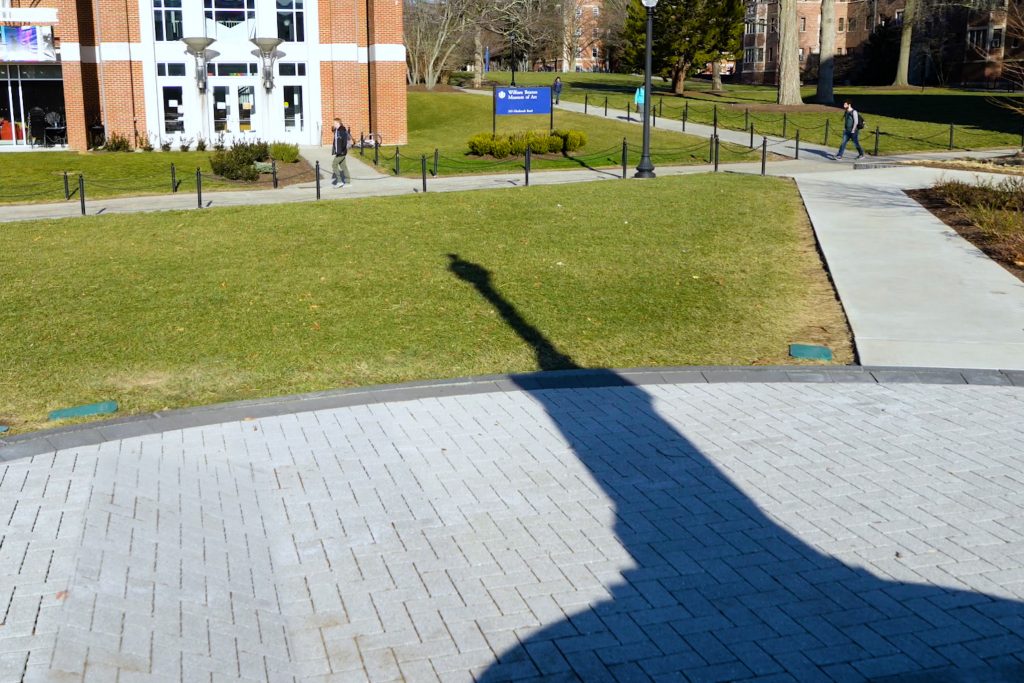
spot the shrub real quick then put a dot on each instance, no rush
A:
(460, 78)
(234, 166)
(572, 140)
(518, 142)
(117, 143)
(481, 144)
(147, 143)
(555, 144)
(251, 152)
(185, 145)
(200, 144)
(165, 146)
(502, 148)
(539, 144)
(219, 143)
(285, 152)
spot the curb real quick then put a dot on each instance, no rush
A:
(76, 436)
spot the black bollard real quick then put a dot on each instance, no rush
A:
(717, 145)
(273, 171)
(398, 161)
(606, 109)
(746, 118)
(797, 143)
(437, 160)
(785, 124)
(199, 188)
(764, 155)
(951, 133)
(527, 166)
(376, 153)
(423, 171)
(625, 153)
(751, 136)
(661, 106)
(174, 179)
(715, 122)
(877, 134)
(81, 192)
(654, 117)
(318, 179)
(67, 190)
(629, 111)
(586, 102)
(362, 145)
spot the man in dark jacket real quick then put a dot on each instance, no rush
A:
(851, 131)
(339, 149)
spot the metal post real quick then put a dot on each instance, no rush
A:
(273, 171)
(318, 179)
(625, 153)
(645, 169)
(376, 153)
(527, 165)
(67, 190)
(751, 136)
(827, 121)
(606, 113)
(654, 118)
(586, 102)
(877, 134)
(717, 143)
(174, 179)
(81, 192)
(494, 106)
(398, 161)
(764, 155)
(629, 110)
(711, 148)
(362, 145)
(716, 119)
(661, 106)
(423, 170)
(437, 160)
(951, 133)
(797, 143)
(199, 188)
(785, 124)
(746, 118)
(682, 119)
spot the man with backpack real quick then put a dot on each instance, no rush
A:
(339, 149)
(853, 123)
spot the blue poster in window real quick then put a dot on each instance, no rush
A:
(510, 101)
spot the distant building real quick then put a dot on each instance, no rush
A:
(584, 37)
(100, 67)
(994, 51)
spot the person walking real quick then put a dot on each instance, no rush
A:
(558, 88)
(852, 125)
(339, 148)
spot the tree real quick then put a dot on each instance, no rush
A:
(433, 31)
(682, 37)
(789, 57)
(914, 12)
(725, 35)
(827, 53)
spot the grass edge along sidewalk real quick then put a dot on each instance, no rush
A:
(189, 308)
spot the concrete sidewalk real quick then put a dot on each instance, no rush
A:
(915, 292)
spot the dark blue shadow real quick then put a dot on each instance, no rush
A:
(720, 591)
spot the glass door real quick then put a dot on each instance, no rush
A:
(222, 110)
(246, 108)
(234, 109)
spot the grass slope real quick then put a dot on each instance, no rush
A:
(187, 308)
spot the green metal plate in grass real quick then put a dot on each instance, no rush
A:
(104, 408)
(809, 352)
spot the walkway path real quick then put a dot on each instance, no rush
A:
(725, 532)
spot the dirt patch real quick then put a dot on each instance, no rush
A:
(1002, 249)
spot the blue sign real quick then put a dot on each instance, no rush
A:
(510, 101)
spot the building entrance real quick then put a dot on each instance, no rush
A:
(31, 105)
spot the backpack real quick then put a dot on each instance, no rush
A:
(860, 121)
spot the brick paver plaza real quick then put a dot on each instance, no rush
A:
(670, 532)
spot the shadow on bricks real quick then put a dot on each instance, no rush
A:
(720, 591)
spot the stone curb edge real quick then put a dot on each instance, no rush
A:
(89, 434)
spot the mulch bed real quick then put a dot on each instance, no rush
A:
(999, 251)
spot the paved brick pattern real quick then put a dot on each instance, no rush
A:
(676, 532)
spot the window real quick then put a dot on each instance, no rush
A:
(290, 25)
(748, 55)
(750, 28)
(593, 53)
(172, 69)
(898, 16)
(167, 19)
(174, 118)
(775, 25)
(760, 54)
(771, 54)
(293, 107)
(801, 54)
(579, 12)
(291, 68)
(803, 24)
(246, 107)
(231, 69)
(230, 13)
(841, 20)
(976, 38)
(596, 11)
(760, 26)
(997, 39)
(851, 24)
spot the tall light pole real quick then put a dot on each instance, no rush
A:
(646, 169)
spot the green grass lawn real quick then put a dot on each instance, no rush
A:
(187, 308)
(39, 176)
(445, 121)
(909, 119)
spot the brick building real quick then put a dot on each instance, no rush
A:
(584, 38)
(995, 46)
(98, 67)
(855, 20)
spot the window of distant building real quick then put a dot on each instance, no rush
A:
(801, 54)
(851, 24)
(841, 20)
(774, 24)
(760, 54)
(997, 38)
(290, 25)
(803, 24)
(230, 13)
(976, 38)
(749, 55)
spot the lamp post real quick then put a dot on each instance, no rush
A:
(646, 169)
(512, 48)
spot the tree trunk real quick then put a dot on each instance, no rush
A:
(827, 56)
(716, 75)
(679, 72)
(478, 59)
(789, 58)
(906, 39)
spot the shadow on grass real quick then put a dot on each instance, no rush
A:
(719, 591)
(977, 111)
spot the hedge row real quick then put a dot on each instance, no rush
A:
(516, 144)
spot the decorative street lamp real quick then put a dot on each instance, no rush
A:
(267, 46)
(646, 169)
(197, 48)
